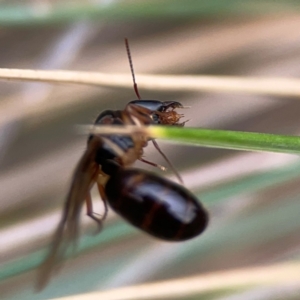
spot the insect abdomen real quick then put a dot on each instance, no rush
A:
(156, 205)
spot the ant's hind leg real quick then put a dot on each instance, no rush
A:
(104, 199)
(90, 212)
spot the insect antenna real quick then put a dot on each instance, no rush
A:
(132, 70)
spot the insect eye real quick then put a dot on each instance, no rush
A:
(155, 118)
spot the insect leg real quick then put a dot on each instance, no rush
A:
(168, 161)
(90, 212)
(104, 199)
(89, 206)
(153, 164)
(141, 115)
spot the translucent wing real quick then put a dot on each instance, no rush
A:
(84, 177)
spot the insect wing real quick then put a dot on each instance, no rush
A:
(84, 177)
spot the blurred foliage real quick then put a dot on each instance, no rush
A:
(44, 12)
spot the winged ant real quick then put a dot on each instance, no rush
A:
(154, 204)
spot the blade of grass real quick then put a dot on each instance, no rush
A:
(251, 183)
(273, 274)
(224, 139)
(192, 83)
(16, 15)
(33, 260)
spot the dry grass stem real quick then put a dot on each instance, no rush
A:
(252, 85)
(274, 274)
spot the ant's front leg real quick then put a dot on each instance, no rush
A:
(168, 161)
(153, 164)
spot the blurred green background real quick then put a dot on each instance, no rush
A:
(253, 198)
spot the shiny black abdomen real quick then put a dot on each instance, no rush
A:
(156, 205)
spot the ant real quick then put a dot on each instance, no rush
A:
(158, 206)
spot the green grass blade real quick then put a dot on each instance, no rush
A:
(238, 140)
(16, 15)
(224, 139)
